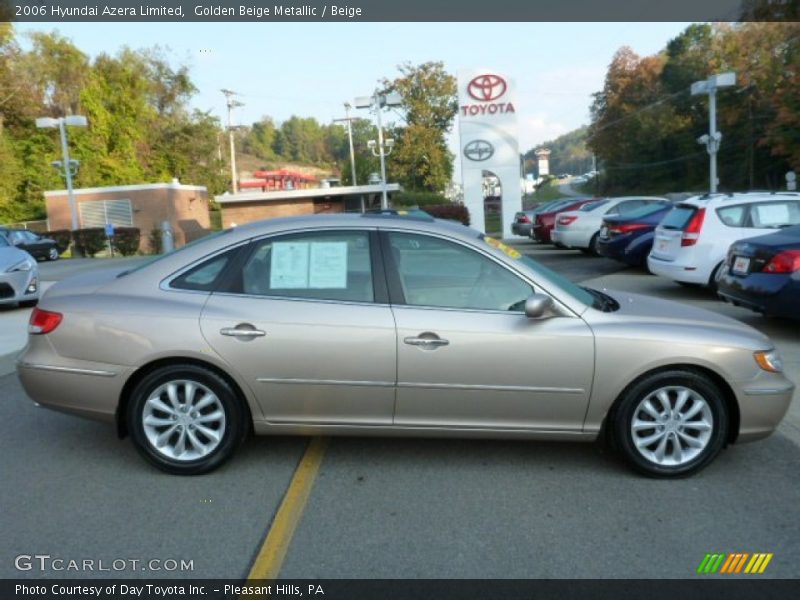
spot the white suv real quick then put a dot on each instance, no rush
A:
(693, 239)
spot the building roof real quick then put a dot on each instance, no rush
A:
(329, 192)
(129, 188)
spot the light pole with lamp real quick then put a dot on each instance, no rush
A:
(379, 101)
(67, 166)
(713, 139)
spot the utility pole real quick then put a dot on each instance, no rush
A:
(349, 120)
(232, 103)
(713, 139)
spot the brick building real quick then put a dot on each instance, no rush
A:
(144, 206)
(245, 207)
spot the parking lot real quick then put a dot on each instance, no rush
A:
(399, 508)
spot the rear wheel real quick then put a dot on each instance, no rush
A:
(592, 250)
(670, 424)
(185, 419)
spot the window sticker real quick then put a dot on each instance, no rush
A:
(328, 265)
(289, 265)
(507, 250)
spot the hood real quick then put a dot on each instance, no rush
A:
(86, 283)
(10, 256)
(655, 317)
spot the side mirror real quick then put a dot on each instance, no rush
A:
(537, 306)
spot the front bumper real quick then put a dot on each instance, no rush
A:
(763, 402)
(19, 286)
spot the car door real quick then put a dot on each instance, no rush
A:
(467, 356)
(306, 322)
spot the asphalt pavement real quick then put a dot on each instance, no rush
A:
(402, 507)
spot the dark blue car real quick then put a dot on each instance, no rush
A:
(629, 238)
(763, 274)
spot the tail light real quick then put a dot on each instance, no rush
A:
(43, 321)
(523, 219)
(566, 220)
(787, 261)
(692, 230)
(627, 228)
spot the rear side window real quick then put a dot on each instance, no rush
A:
(593, 205)
(774, 215)
(679, 217)
(206, 276)
(733, 216)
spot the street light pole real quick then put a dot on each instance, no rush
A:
(379, 101)
(231, 104)
(713, 140)
(349, 120)
(66, 164)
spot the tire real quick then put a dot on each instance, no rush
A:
(153, 416)
(52, 254)
(712, 281)
(669, 435)
(592, 249)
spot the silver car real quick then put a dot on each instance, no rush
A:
(391, 325)
(19, 276)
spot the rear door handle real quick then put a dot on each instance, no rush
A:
(242, 333)
(426, 342)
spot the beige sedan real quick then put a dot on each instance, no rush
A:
(391, 325)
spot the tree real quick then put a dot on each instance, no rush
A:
(421, 160)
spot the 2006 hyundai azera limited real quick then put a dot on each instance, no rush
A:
(391, 325)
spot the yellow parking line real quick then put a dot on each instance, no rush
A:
(268, 562)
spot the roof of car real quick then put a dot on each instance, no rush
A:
(753, 196)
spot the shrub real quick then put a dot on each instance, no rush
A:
(62, 238)
(126, 240)
(155, 241)
(89, 241)
(420, 199)
(454, 212)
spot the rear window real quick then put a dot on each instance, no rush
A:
(678, 217)
(647, 209)
(733, 216)
(593, 205)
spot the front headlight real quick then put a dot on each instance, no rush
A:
(769, 360)
(23, 265)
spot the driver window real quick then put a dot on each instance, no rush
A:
(434, 272)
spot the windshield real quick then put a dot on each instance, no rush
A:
(159, 257)
(3, 242)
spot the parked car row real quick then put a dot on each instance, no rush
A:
(37, 246)
(745, 246)
(19, 276)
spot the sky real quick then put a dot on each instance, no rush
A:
(312, 69)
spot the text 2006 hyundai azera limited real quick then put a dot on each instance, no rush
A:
(391, 325)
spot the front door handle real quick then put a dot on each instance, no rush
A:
(426, 342)
(241, 332)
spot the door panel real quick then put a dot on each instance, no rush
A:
(303, 320)
(317, 362)
(497, 370)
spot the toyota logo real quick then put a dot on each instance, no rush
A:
(487, 87)
(478, 150)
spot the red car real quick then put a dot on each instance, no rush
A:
(546, 221)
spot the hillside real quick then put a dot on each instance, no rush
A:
(568, 154)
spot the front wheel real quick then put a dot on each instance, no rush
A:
(52, 254)
(185, 419)
(671, 424)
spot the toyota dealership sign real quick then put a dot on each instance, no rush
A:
(487, 117)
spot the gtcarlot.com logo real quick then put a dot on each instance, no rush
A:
(46, 562)
(732, 563)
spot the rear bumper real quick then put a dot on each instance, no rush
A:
(769, 293)
(678, 271)
(523, 229)
(77, 387)
(571, 239)
(542, 233)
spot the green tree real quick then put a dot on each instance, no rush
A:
(421, 159)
